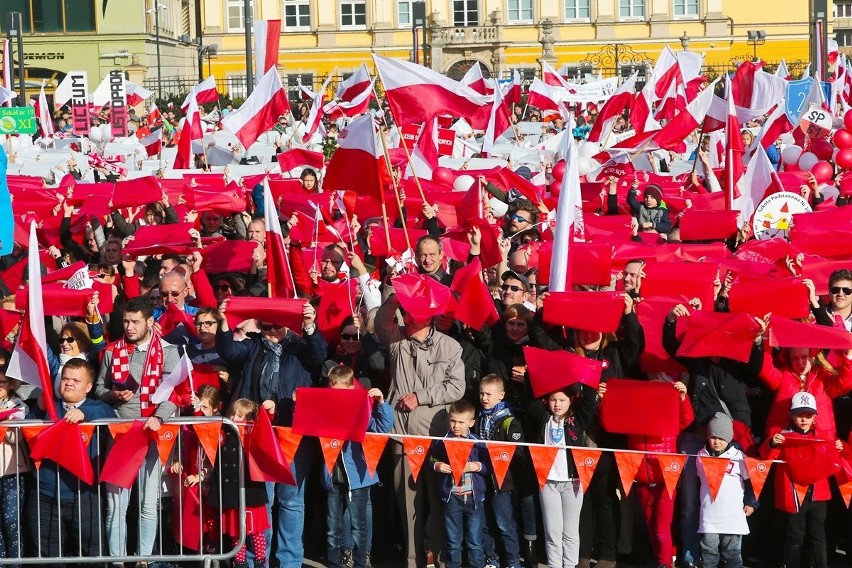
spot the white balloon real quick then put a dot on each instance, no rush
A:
(588, 149)
(791, 154)
(106, 132)
(807, 161)
(787, 139)
(584, 165)
(463, 182)
(95, 135)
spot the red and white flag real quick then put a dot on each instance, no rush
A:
(774, 126)
(151, 138)
(45, 118)
(717, 116)
(358, 164)
(267, 37)
(673, 134)
(354, 85)
(260, 111)
(758, 179)
(424, 156)
(734, 152)
(29, 360)
(476, 81)
(546, 98)
(755, 88)
(621, 99)
(416, 94)
(513, 95)
(154, 119)
(359, 105)
(278, 272)
(7, 91)
(314, 121)
(205, 92)
(782, 71)
(552, 77)
(191, 130)
(137, 94)
(569, 218)
(499, 122)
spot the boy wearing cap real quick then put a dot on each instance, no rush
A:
(806, 513)
(652, 214)
(722, 520)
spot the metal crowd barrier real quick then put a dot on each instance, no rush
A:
(166, 549)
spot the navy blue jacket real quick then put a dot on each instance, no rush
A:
(438, 453)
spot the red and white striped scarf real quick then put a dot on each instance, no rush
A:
(152, 372)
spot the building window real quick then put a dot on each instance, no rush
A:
(235, 86)
(236, 16)
(631, 8)
(297, 14)
(577, 73)
(519, 10)
(577, 10)
(465, 13)
(844, 38)
(685, 8)
(353, 14)
(404, 12)
(51, 16)
(843, 10)
(294, 92)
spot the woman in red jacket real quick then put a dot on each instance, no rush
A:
(657, 504)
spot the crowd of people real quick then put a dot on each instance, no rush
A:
(429, 374)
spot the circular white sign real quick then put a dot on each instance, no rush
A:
(773, 218)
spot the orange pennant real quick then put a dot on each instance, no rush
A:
(86, 431)
(714, 472)
(801, 491)
(628, 464)
(330, 450)
(415, 450)
(586, 460)
(119, 428)
(166, 438)
(3, 431)
(373, 446)
(501, 458)
(757, 472)
(542, 458)
(30, 434)
(208, 437)
(846, 492)
(671, 466)
(289, 441)
(458, 451)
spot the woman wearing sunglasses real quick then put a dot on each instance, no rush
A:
(360, 351)
(78, 340)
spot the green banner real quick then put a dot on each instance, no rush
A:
(17, 120)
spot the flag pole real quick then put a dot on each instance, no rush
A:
(396, 193)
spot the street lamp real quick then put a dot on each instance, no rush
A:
(684, 41)
(210, 51)
(156, 10)
(755, 38)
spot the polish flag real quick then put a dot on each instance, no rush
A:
(205, 92)
(734, 153)
(267, 35)
(760, 177)
(552, 77)
(513, 96)
(278, 272)
(29, 361)
(782, 71)
(755, 88)
(315, 115)
(416, 94)
(673, 134)
(45, 120)
(476, 81)
(6, 75)
(191, 130)
(260, 111)
(665, 72)
(137, 94)
(717, 115)
(358, 164)
(359, 105)
(424, 156)
(499, 122)
(774, 126)
(154, 119)
(355, 85)
(621, 99)
(304, 92)
(151, 138)
(546, 98)
(569, 218)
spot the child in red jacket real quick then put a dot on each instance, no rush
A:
(805, 516)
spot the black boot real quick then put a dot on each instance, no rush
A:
(529, 555)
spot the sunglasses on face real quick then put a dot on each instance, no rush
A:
(519, 218)
(271, 326)
(512, 287)
(172, 293)
(224, 287)
(67, 339)
(835, 290)
(349, 336)
(205, 323)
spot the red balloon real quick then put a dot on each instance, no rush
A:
(844, 158)
(443, 175)
(843, 138)
(822, 148)
(847, 120)
(559, 169)
(823, 171)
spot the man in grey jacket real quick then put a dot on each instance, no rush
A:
(131, 370)
(427, 374)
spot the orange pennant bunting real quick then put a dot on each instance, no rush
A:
(586, 460)
(373, 446)
(501, 458)
(757, 472)
(542, 458)
(3, 432)
(458, 451)
(801, 491)
(119, 428)
(415, 450)
(671, 466)
(714, 472)
(86, 431)
(846, 492)
(628, 464)
(208, 437)
(166, 438)
(289, 441)
(30, 434)
(330, 450)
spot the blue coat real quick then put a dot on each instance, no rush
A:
(352, 454)
(301, 358)
(438, 453)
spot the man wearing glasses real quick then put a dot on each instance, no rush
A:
(838, 313)
(174, 290)
(515, 289)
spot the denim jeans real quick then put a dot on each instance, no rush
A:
(348, 541)
(464, 522)
(12, 489)
(725, 546)
(290, 503)
(118, 498)
(342, 500)
(500, 515)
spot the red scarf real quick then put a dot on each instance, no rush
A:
(152, 372)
